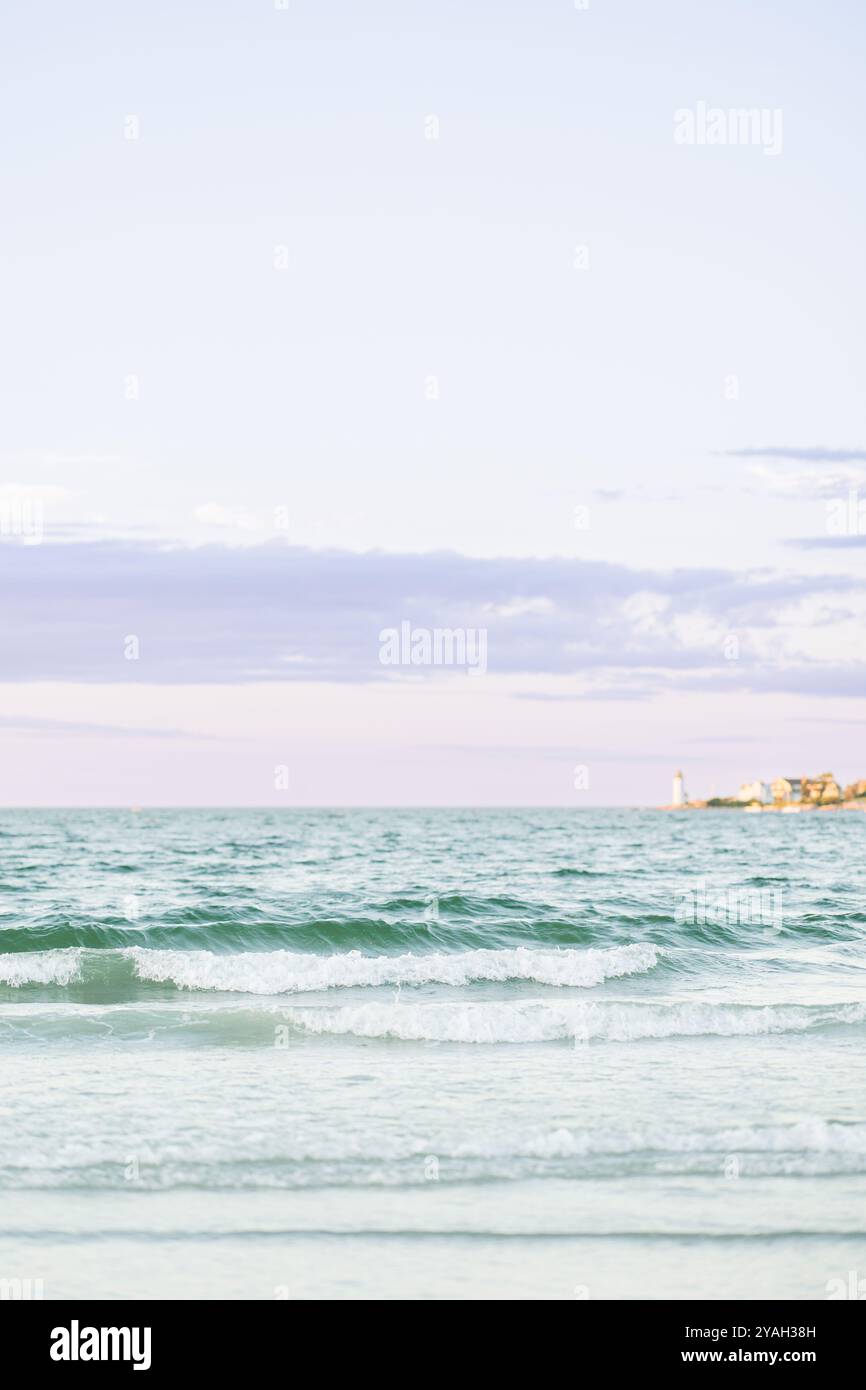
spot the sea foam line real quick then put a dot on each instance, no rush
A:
(814, 1137)
(544, 1021)
(284, 972)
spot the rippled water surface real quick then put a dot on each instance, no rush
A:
(439, 1054)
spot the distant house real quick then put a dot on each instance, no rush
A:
(781, 790)
(754, 791)
(821, 790)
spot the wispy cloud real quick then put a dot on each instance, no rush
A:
(800, 483)
(634, 691)
(827, 542)
(727, 738)
(567, 753)
(826, 679)
(812, 453)
(29, 724)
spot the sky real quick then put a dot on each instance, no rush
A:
(324, 320)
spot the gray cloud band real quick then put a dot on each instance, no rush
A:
(210, 614)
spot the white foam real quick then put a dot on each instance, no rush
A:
(289, 972)
(545, 1021)
(225, 1144)
(40, 967)
(807, 1136)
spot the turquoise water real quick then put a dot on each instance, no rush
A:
(433, 1054)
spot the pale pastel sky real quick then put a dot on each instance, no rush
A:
(320, 319)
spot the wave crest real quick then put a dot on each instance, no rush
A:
(40, 968)
(289, 972)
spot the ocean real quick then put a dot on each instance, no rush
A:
(530, 1054)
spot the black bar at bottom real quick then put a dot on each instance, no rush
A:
(163, 1339)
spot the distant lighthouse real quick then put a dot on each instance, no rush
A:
(679, 798)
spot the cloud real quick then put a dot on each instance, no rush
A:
(29, 724)
(668, 757)
(272, 611)
(813, 453)
(599, 692)
(827, 542)
(808, 482)
(728, 738)
(841, 680)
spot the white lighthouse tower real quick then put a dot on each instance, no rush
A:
(680, 798)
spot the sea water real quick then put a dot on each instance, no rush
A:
(432, 1054)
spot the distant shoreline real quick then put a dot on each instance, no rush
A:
(788, 808)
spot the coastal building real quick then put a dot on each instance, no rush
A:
(781, 790)
(821, 791)
(784, 790)
(679, 797)
(755, 791)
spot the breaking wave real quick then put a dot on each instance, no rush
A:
(532, 1021)
(286, 972)
(40, 968)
